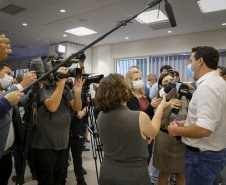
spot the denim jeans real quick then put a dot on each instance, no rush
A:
(203, 168)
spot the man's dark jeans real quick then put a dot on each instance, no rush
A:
(203, 168)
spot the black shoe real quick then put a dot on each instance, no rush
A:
(34, 176)
(14, 179)
(172, 182)
(84, 172)
(81, 183)
(85, 149)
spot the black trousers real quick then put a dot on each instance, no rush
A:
(75, 144)
(49, 165)
(5, 168)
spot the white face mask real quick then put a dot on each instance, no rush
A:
(138, 84)
(150, 84)
(6, 81)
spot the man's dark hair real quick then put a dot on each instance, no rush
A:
(165, 67)
(2, 65)
(209, 54)
(223, 70)
(176, 73)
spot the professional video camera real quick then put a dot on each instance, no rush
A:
(45, 63)
(89, 80)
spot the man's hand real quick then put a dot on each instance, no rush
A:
(78, 83)
(189, 85)
(155, 102)
(172, 128)
(180, 123)
(4, 47)
(175, 104)
(29, 77)
(62, 70)
(14, 97)
(80, 114)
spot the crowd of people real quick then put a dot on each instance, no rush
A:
(182, 138)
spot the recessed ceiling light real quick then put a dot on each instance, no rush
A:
(24, 24)
(169, 31)
(151, 16)
(80, 31)
(62, 11)
(126, 38)
(224, 24)
(211, 6)
(65, 35)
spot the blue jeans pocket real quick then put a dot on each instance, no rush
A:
(212, 168)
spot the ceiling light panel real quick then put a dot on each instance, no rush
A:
(151, 16)
(207, 6)
(81, 31)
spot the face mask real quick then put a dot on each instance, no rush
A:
(138, 84)
(150, 84)
(6, 81)
(189, 71)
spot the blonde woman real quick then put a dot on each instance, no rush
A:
(138, 100)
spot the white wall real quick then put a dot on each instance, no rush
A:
(103, 56)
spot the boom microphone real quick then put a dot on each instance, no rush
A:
(170, 14)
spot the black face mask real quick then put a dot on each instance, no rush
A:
(173, 84)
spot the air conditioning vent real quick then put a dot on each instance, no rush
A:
(159, 25)
(12, 9)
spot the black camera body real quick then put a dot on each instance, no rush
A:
(89, 80)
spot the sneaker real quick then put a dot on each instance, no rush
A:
(172, 182)
(85, 149)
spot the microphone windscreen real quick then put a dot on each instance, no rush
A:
(184, 91)
(170, 14)
(169, 91)
(36, 65)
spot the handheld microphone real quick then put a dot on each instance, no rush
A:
(170, 14)
(183, 91)
(168, 91)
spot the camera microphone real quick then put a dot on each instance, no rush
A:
(169, 11)
(36, 65)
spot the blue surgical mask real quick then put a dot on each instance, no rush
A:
(189, 71)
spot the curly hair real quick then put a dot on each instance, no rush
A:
(111, 93)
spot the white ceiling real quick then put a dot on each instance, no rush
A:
(46, 25)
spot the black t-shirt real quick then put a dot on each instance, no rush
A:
(52, 130)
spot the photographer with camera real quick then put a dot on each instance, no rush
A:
(50, 137)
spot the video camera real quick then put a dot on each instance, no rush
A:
(89, 80)
(45, 63)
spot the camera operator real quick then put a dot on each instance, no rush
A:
(50, 137)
